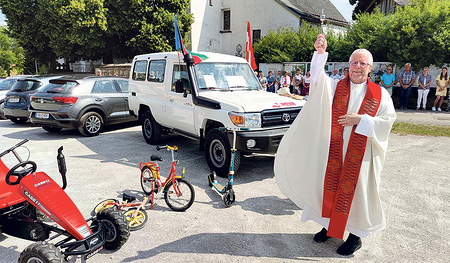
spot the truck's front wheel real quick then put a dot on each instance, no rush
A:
(151, 129)
(218, 153)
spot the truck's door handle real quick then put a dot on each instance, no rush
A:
(170, 100)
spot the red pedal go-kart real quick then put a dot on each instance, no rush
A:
(28, 197)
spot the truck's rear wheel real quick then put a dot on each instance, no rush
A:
(218, 153)
(151, 129)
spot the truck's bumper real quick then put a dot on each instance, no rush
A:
(266, 141)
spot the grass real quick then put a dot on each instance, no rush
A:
(403, 128)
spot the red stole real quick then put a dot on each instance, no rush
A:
(341, 177)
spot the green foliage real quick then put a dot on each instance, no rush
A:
(11, 55)
(419, 34)
(93, 29)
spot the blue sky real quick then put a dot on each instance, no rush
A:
(344, 7)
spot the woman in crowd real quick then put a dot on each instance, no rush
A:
(270, 82)
(423, 89)
(441, 89)
(306, 82)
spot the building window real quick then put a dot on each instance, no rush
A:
(226, 20)
(256, 36)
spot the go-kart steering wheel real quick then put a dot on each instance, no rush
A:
(21, 173)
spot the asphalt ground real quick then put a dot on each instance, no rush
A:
(262, 225)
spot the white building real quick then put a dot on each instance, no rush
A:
(221, 25)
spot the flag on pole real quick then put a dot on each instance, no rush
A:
(249, 49)
(179, 44)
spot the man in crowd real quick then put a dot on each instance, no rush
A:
(388, 80)
(333, 171)
(406, 80)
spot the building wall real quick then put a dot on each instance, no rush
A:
(207, 35)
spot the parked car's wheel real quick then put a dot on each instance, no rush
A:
(19, 120)
(218, 153)
(151, 129)
(91, 124)
(117, 230)
(52, 129)
(41, 252)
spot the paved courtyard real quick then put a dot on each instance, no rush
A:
(263, 225)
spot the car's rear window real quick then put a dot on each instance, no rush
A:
(6, 84)
(58, 87)
(25, 85)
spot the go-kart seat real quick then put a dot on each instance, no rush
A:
(8, 193)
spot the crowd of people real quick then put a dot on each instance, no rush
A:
(298, 84)
(286, 84)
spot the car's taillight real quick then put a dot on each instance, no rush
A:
(66, 100)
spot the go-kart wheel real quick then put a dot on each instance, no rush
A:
(20, 173)
(41, 252)
(137, 222)
(116, 228)
(229, 198)
(104, 205)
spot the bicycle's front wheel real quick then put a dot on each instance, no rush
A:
(138, 221)
(182, 201)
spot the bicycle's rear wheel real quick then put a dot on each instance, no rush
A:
(184, 200)
(138, 221)
(146, 180)
(107, 203)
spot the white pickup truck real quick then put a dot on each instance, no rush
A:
(170, 94)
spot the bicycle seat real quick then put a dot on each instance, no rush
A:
(128, 198)
(156, 158)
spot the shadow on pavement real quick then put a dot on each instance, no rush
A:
(275, 245)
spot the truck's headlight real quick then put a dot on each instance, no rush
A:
(250, 120)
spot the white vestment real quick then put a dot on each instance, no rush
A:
(301, 160)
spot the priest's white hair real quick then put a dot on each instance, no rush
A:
(363, 51)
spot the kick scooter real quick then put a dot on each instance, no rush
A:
(227, 190)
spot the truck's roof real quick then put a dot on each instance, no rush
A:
(212, 57)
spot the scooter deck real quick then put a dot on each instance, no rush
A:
(45, 194)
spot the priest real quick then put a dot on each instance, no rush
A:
(329, 162)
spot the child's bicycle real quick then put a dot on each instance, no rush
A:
(135, 215)
(227, 190)
(178, 192)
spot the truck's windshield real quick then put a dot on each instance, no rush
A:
(225, 76)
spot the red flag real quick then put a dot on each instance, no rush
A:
(249, 49)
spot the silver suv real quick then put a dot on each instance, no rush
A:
(84, 104)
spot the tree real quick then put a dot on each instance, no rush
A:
(11, 55)
(93, 29)
(361, 6)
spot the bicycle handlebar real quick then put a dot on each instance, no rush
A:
(233, 128)
(14, 147)
(169, 148)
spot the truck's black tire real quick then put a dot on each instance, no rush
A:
(41, 252)
(218, 153)
(151, 129)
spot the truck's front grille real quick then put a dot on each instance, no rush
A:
(279, 117)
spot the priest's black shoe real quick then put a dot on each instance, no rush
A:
(352, 244)
(321, 236)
